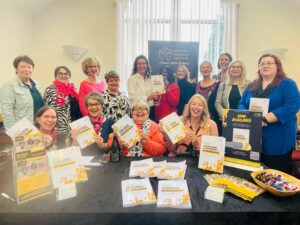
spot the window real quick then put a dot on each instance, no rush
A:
(167, 20)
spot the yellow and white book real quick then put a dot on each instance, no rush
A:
(127, 130)
(174, 127)
(259, 105)
(142, 168)
(87, 134)
(66, 167)
(174, 194)
(173, 171)
(158, 84)
(212, 152)
(137, 192)
(22, 128)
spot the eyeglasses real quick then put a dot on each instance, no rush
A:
(63, 74)
(266, 64)
(93, 105)
(140, 109)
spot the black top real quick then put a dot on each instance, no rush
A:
(187, 90)
(234, 97)
(38, 101)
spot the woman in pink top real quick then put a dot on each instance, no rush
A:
(91, 67)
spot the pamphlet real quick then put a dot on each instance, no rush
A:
(212, 152)
(174, 127)
(66, 191)
(259, 105)
(86, 131)
(158, 84)
(142, 168)
(174, 194)
(127, 130)
(173, 171)
(137, 192)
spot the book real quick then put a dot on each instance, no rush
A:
(86, 131)
(127, 130)
(259, 105)
(243, 133)
(174, 194)
(141, 168)
(137, 192)
(158, 84)
(22, 128)
(173, 171)
(174, 127)
(212, 152)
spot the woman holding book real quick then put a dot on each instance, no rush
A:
(101, 124)
(91, 68)
(168, 102)
(279, 124)
(197, 123)
(151, 143)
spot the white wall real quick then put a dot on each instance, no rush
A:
(267, 24)
(16, 38)
(88, 23)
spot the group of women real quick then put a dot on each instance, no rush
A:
(200, 106)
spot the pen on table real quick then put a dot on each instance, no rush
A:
(7, 196)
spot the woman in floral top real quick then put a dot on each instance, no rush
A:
(116, 103)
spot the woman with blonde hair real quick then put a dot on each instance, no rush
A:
(91, 67)
(230, 92)
(197, 123)
(186, 88)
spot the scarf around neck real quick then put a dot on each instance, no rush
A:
(63, 90)
(97, 124)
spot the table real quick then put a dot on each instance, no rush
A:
(99, 201)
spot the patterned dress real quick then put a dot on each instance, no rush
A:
(64, 113)
(115, 106)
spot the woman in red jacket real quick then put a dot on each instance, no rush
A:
(151, 143)
(167, 103)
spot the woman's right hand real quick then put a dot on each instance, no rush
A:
(74, 134)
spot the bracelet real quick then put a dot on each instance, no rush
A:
(183, 145)
(264, 119)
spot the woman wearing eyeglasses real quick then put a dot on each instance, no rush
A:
(279, 124)
(230, 92)
(62, 96)
(102, 125)
(151, 143)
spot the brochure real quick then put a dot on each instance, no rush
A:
(158, 84)
(173, 127)
(86, 131)
(22, 128)
(137, 192)
(142, 168)
(174, 194)
(173, 171)
(127, 130)
(212, 152)
(259, 105)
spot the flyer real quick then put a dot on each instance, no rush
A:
(212, 152)
(174, 194)
(137, 192)
(127, 130)
(22, 128)
(86, 131)
(174, 127)
(173, 171)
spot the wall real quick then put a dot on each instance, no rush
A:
(266, 24)
(16, 38)
(89, 24)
